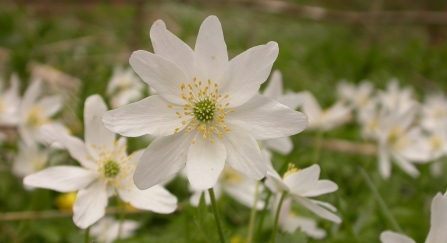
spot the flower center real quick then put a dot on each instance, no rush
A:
(203, 109)
(111, 169)
(290, 170)
(36, 117)
(114, 166)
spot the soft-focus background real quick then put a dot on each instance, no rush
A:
(76, 45)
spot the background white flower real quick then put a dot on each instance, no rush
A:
(107, 229)
(124, 87)
(207, 113)
(35, 112)
(9, 102)
(438, 232)
(107, 170)
(235, 185)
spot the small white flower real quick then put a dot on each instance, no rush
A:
(207, 111)
(434, 112)
(34, 112)
(396, 98)
(124, 87)
(9, 102)
(235, 185)
(107, 169)
(289, 222)
(301, 184)
(397, 138)
(274, 91)
(107, 229)
(325, 119)
(358, 96)
(437, 234)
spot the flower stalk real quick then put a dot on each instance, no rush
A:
(253, 213)
(216, 215)
(275, 225)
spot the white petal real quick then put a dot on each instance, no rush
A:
(384, 163)
(243, 153)
(320, 211)
(61, 178)
(391, 237)
(247, 72)
(164, 157)
(156, 199)
(161, 74)
(172, 48)
(282, 145)
(90, 205)
(74, 145)
(303, 181)
(210, 52)
(322, 187)
(405, 165)
(244, 193)
(292, 100)
(311, 108)
(147, 116)
(205, 162)
(96, 135)
(275, 183)
(30, 96)
(438, 232)
(268, 119)
(274, 87)
(51, 104)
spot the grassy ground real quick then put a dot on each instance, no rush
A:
(313, 56)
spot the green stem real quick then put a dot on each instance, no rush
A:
(253, 213)
(278, 210)
(216, 215)
(318, 146)
(122, 208)
(381, 202)
(87, 235)
(264, 210)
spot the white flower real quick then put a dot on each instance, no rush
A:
(398, 139)
(358, 96)
(289, 222)
(437, 234)
(235, 185)
(434, 112)
(107, 169)
(301, 184)
(395, 98)
(274, 91)
(207, 113)
(9, 102)
(35, 112)
(124, 87)
(107, 229)
(324, 119)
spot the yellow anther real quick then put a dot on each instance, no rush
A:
(183, 122)
(226, 96)
(176, 130)
(211, 141)
(182, 87)
(290, 170)
(193, 142)
(169, 106)
(209, 82)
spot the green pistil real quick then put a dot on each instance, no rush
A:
(111, 169)
(204, 110)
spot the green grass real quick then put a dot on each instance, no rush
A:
(313, 56)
